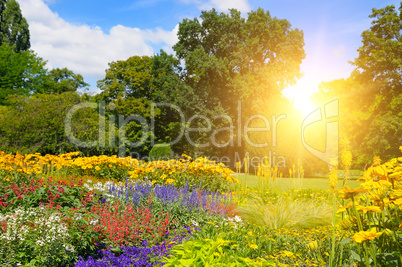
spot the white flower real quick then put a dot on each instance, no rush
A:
(237, 219)
(68, 248)
(39, 243)
(194, 223)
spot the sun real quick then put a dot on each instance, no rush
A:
(300, 95)
(304, 106)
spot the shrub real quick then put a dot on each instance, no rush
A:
(160, 152)
(206, 252)
(286, 213)
(39, 192)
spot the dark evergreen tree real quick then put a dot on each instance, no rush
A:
(14, 29)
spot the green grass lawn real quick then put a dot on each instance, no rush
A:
(284, 184)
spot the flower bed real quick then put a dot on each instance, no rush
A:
(89, 221)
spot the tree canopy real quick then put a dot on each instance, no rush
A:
(225, 58)
(371, 98)
(228, 57)
(21, 73)
(14, 28)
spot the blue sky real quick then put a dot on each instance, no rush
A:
(84, 35)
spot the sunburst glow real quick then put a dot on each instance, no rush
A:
(300, 95)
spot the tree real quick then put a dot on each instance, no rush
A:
(226, 58)
(36, 124)
(14, 28)
(130, 77)
(20, 73)
(371, 98)
(140, 81)
(64, 80)
(229, 58)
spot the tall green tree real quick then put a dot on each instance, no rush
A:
(64, 80)
(226, 58)
(140, 81)
(14, 29)
(21, 73)
(371, 98)
(229, 58)
(126, 78)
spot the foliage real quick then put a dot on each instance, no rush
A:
(126, 78)
(130, 117)
(371, 97)
(14, 29)
(40, 236)
(136, 83)
(206, 252)
(229, 58)
(283, 212)
(37, 124)
(64, 80)
(39, 192)
(20, 73)
(287, 246)
(160, 152)
(371, 215)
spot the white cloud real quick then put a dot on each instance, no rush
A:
(84, 49)
(221, 5)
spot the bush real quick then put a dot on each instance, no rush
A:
(160, 152)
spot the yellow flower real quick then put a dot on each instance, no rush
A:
(313, 245)
(376, 160)
(287, 253)
(378, 194)
(345, 224)
(368, 208)
(346, 192)
(170, 181)
(366, 235)
(253, 246)
(398, 202)
(333, 176)
(344, 208)
(370, 184)
(97, 168)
